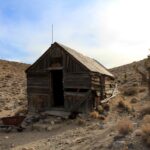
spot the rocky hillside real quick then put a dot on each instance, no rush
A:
(127, 75)
(12, 84)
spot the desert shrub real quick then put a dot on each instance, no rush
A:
(81, 121)
(145, 110)
(146, 128)
(100, 109)
(125, 127)
(106, 107)
(101, 117)
(94, 114)
(124, 105)
(8, 76)
(135, 84)
(146, 119)
(146, 133)
(134, 100)
(142, 90)
(130, 91)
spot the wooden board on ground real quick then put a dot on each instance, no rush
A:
(58, 113)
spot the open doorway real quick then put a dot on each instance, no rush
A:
(57, 85)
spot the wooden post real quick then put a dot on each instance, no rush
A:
(148, 69)
(149, 82)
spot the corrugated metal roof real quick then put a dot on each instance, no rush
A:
(89, 63)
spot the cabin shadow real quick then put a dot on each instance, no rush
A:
(57, 86)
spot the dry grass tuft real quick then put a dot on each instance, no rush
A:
(146, 125)
(130, 91)
(141, 90)
(146, 119)
(125, 126)
(124, 105)
(94, 114)
(146, 133)
(81, 121)
(145, 110)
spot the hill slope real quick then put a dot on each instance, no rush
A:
(12, 84)
(127, 75)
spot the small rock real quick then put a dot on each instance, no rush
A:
(12, 145)
(118, 137)
(130, 146)
(52, 122)
(119, 145)
(6, 108)
(39, 127)
(101, 126)
(48, 140)
(135, 124)
(20, 103)
(137, 132)
(112, 134)
(59, 118)
(67, 141)
(49, 128)
(6, 137)
(24, 148)
(134, 100)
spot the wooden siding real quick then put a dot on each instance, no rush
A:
(38, 92)
(77, 101)
(77, 80)
(72, 65)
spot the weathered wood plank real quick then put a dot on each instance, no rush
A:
(57, 113)
(38, 90)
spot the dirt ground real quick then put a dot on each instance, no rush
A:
(88, 134)
(65, 135)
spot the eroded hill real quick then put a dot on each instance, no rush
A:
(12, 84)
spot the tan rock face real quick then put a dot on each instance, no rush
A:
(12, 85)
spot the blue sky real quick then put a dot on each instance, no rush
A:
(115, 32)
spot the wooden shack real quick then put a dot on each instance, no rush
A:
(64, 78)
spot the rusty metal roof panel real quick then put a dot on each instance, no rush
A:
(89, 63)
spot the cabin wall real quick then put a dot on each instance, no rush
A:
(77, 91)
(109, 87)
(38, 91)
(98, 85)
(77, 85)
(39, 85)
